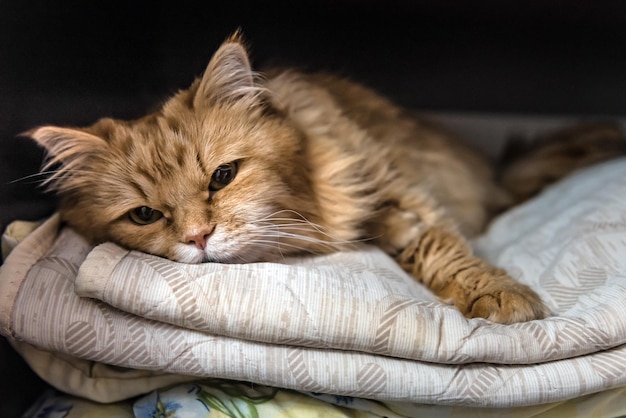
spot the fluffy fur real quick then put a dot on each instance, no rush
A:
(321, 164)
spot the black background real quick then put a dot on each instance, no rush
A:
(70, 63)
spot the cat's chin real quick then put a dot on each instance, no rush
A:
(206, 258)
(190, 255)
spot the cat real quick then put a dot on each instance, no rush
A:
(242, 168)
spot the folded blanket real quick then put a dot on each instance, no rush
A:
(350, 323)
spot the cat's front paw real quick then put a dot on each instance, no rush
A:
(507, 305)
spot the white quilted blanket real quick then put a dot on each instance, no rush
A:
(347, 324)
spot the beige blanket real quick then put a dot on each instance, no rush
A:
(349, 323)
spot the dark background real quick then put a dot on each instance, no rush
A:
(70, 63)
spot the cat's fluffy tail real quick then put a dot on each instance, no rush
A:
(529, 166)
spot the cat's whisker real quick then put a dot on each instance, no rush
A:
(288, 211)
(281, 236)
(300, 220)
(51, 173)
(284, 244)
(282, 231)
(31, 176)
(292, 226)
(290, 230)
(272, 245)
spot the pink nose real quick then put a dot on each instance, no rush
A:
(199, 237)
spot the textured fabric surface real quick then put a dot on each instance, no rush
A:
(216, 397)
(349, 323)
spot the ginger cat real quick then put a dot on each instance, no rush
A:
(240, 168)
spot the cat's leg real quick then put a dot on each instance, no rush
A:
(426, 244)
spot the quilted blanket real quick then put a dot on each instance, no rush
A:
(349, 323)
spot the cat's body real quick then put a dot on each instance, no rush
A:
(237, 169)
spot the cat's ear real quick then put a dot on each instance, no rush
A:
(66, 144)
(229, 77)
(70, 149)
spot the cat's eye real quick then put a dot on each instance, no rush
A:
(144, 215)
(222, 176)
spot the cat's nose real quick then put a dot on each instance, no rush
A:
(199, 237)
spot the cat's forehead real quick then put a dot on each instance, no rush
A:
(175, 151)
(179, 137)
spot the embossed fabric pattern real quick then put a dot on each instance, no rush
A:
(350, 323)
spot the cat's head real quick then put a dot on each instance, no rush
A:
(214, 175)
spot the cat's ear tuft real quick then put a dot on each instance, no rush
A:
(228, 77)
(62, 142)
(69, 148)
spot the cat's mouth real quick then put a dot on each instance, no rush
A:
(189, 254)
(229, 253)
